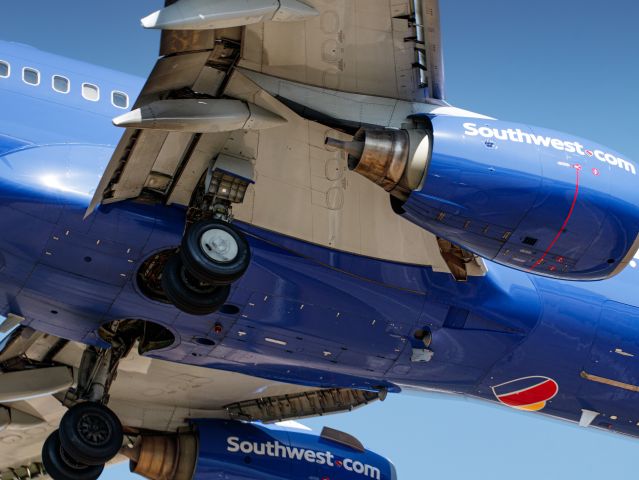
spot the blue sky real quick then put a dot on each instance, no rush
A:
(571, 65)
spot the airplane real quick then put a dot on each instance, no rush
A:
(293, 223)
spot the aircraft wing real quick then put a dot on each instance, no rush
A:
(149, 395)
(383, 48)
(260, 91)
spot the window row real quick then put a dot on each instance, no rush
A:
(61, 84)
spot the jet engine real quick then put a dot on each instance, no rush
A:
(525, 197)
(242, 451)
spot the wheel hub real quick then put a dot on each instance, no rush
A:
(94, 429)
(219, 245)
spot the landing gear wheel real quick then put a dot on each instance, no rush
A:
(91, 433)
(61, 466)
(215, 252)
(189, 293)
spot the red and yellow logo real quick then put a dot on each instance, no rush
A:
(528, 393)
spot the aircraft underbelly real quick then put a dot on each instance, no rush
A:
(304, 312)
(328, 318)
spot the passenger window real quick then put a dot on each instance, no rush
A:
(61, 84)
(5, 69)
(90, 92)
(31, 76)
(120, 99)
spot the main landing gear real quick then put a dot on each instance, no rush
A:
(90, 434)
(213, 255)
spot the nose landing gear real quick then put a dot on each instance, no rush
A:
(213, 255)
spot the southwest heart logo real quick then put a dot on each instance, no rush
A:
(528, 393)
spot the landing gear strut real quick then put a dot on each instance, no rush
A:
(213, 255)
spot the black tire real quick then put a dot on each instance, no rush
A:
(188, 293)
(205, 266)
(61, 466)
(91, 433)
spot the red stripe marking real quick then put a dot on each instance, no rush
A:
(563, 227)
(538, 393)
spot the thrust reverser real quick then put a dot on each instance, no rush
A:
(528, 198)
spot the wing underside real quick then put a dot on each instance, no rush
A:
(364, 47)
(148, 395)
(250, 94)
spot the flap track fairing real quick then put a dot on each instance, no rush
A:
(200, 116)
(207, 15)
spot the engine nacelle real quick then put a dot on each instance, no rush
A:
(525, 197)
(247, 451)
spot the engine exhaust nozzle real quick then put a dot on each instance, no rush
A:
(164, 457)
(386, 158)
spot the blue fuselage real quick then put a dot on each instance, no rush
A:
(340, 319)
